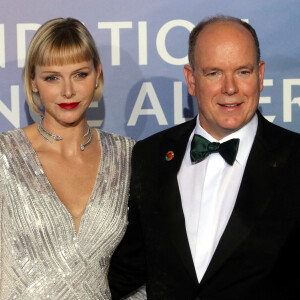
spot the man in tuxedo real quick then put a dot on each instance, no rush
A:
(214, 207)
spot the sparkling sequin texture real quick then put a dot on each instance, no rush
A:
(40, 255)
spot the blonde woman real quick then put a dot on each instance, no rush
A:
(63, 185)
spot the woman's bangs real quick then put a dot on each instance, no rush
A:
(58, 56)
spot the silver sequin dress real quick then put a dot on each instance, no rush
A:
(40, 255)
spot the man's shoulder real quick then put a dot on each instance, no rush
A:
(278, 144)
(152, 146)
(278, 134)
(173, 132)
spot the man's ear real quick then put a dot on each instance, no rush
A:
(190, 79)
(261, 72)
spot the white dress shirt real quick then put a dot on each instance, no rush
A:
(208, 192)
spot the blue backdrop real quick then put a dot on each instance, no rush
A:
(143, 47)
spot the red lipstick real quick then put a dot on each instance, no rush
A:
(68, 106)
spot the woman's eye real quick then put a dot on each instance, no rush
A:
(81, 75)
(50, 78)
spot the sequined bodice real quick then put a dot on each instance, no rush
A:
(40, 255)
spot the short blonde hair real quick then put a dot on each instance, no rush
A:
(57, 42)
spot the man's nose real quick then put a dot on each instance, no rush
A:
(230, 86)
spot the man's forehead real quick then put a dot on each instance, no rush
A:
(227, 36)
(220, 28)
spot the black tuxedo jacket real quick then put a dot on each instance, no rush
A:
(258, 256)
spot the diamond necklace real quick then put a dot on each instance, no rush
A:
(42, 130)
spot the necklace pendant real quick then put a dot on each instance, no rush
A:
(82, 146)
(42, 131)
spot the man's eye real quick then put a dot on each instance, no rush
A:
(212, 74)
(245, 72)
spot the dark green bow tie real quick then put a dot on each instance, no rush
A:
(201, 148)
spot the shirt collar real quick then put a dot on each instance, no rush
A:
(246, 134)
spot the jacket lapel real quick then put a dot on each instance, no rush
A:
(254, 196)
(176, 141)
